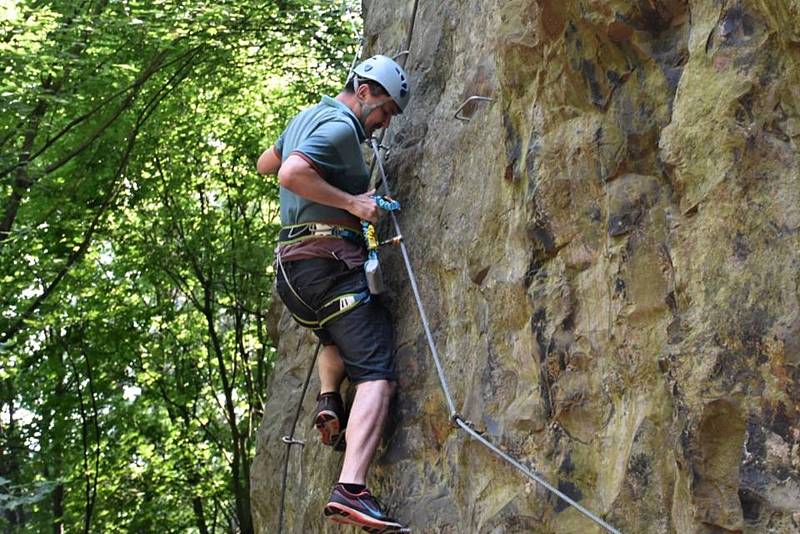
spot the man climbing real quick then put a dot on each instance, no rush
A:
(320, 278)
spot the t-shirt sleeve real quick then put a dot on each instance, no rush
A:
(327, 146)
(279, 146)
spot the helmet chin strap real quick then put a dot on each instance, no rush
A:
(366, 109)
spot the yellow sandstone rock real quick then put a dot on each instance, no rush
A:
(609, 255)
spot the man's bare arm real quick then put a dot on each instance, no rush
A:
(300, 178)
(269, 162)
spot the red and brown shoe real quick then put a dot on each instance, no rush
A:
(331, 419)
(360, 509)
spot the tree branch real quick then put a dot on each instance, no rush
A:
(81, 249)
(136, 86)
(22, 180)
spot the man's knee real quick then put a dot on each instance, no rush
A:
(385, 387)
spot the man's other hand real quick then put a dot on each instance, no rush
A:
(364, 207)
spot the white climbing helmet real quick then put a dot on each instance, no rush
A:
(389, 74)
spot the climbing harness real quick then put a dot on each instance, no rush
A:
(316, 318)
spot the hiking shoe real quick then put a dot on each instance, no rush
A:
(330, 419)
(359, 509)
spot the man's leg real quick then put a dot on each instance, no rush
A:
(330, 418)
(365, 338)
(367, 417)
(331, 369)
(351, 503)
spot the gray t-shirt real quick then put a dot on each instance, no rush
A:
(328, 136)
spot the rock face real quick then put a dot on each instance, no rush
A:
(609, 255)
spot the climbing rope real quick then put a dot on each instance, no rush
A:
(290, 439)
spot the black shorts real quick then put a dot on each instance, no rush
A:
(363, 335)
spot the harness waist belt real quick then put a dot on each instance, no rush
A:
(302, 232)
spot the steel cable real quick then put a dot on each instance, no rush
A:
(289, 440)
(532, 475)
(413, 279)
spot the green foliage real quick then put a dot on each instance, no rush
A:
(136, 248)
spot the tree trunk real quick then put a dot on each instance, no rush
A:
(57, 501)
(199, 515)
(239, 492)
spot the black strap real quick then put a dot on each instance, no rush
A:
(301, 232)
(331, 310)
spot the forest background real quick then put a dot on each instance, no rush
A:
(136, 243)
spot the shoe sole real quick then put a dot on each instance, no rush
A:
(329, 428)
(347, 516)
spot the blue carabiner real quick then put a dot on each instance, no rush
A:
(388, 205)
